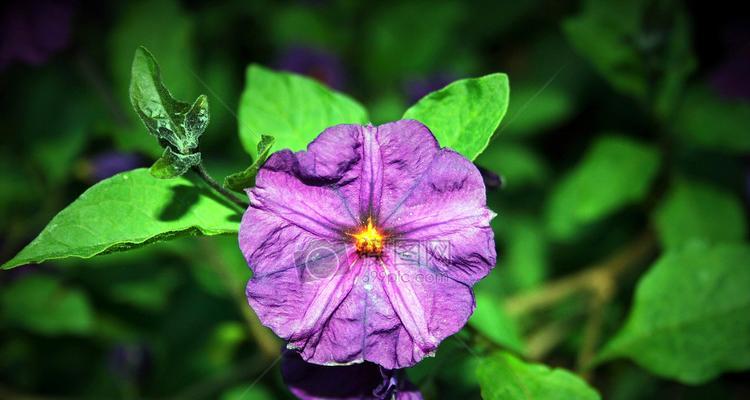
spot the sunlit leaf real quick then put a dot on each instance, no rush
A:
(291, 108)
(126, 211)
(465, 114)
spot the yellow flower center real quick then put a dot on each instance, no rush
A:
(368, 240)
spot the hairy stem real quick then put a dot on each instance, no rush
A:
(201, 171)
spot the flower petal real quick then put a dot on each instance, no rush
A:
(364, 381)
(445, 213)
(375, 309)
(392, 318)
(298, 279)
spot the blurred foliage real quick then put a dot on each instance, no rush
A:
(616, 126)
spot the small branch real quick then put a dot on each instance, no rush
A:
(542, 341)
(590, 279)
(269, 346)
(201, 171)
(593, 328)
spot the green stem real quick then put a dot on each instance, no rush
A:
(201, 171)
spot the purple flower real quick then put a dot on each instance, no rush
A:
(729, 79)
(107, 164)
(315, 63)
(366, 246)
(364, 381)
(130, 362)
(32, 31)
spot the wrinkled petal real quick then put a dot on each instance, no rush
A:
(299, 281)
(364, 381)
(445, 213)
(392, 309)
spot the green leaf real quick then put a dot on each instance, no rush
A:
(691, 315)
(505, 377)
(696, 211)
(42, 304)
(490, 319)
(176, 124)
(518, 164)
(246, 179)
(164, 28)
(536, 106)
(171, 164)
(150, 294)
(642, 48)
(236, 273)
(706, 120)
(615, 172)
(291, 108)
(465, 114)
(409, 39)
(525, 264)
(129, 210)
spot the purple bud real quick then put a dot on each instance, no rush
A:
(365, 381)
(492, 180)
(130, 362)
(729, 79)
(104, 165)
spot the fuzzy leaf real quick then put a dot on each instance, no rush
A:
(465, 114)
(129, 210)
(246, 179)
(176, 124)
(171, 165)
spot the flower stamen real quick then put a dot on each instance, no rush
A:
(368, 240)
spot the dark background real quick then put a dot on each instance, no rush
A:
(170, 320)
